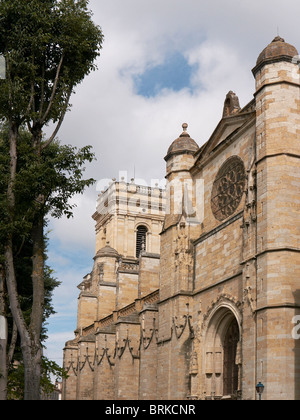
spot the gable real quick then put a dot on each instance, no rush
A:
(227, 128)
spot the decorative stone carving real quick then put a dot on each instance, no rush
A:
(231, 104)
(183, 256)
(194, 364)
(224, 298)
(228, 188)
(100, 270)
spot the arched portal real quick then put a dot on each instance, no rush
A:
(230, 367)
(222, 353)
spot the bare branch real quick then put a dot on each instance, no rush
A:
(11, 283)
(8, 76)
(12, 345)
(42, 89)
(2, 280)
(63, 113)
(53, 90)
(31, 101)
(29, 126)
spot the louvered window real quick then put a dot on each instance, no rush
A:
(141, 240)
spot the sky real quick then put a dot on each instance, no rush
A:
(163, 63)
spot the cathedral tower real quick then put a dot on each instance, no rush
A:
(176, 270)
(179, 209)
(277, 95)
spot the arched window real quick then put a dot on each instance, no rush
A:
(223, 358)
(141, 235)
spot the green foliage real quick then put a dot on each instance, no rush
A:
(15, 384)
(58, 174)
(49, 47)
(39, 40)
(50, 369)
(43, 183)
(23, 266)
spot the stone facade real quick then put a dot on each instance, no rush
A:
(205, 308)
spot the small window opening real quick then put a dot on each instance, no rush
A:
(141, 240)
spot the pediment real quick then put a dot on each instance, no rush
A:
(224, 129)
(227, 127)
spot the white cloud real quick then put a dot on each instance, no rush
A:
(55, 344)
(79, 229)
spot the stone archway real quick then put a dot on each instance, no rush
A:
(230, 367)
(222, 353)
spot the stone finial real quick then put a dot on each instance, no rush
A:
(183, 143)
(278, 39)
(231, 104)
(184, 127)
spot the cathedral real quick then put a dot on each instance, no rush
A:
(194, 291)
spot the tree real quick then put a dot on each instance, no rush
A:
(58, 173)
(14, 386)
(49, 47)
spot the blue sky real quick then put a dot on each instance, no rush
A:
(163, 63)
(175, 74)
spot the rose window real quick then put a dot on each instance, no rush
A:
(228, 188)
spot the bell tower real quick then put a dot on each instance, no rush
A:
(179, 206)
(277, 97)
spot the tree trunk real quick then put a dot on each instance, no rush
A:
(29, 335)
(37, 278)
(12, 345)
(13, 133)
(33, 353)
(32, 357)
(14, 301)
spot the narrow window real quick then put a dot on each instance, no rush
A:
(141, 240)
